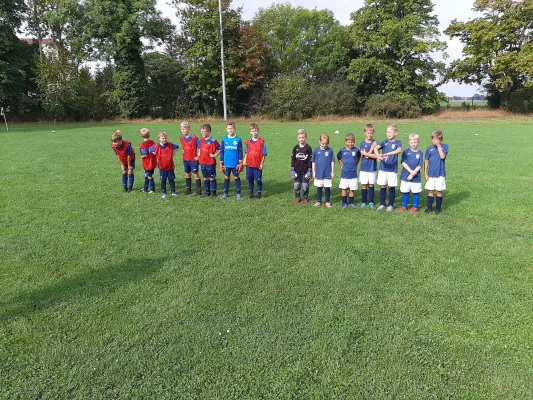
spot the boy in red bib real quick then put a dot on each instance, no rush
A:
(254, 160)
(164, 152)
(126, 156)
(149, 161)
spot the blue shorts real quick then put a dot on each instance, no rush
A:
(167, 175)
(209, 170)
(229, 171)
(190, 166)
(254, 174)
(148, 172)
(132, 162)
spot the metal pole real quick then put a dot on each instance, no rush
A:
(222, 61)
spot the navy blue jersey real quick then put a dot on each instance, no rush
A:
(231, 151)
(323, 160)
(349, 158)
(437, 167)
(368, 164)
(390, 164)
(413, 158)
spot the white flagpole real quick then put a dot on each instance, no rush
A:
(5, 119)
(222, 62)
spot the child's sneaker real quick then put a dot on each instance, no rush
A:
(413, 210)
(344, 205)
(390, 209)
(306, 201)
(125, 190)
(224, 196)
(297, 201)
(174, 194)
(353, 205)
(164, 196)
(188, 192)
(317, 204)
(151, 192)
(371, 205)
(143, 190)
(428, 211)
(239, 196)
(380, 208)
(251, 197)
(402, 209)
(328, 205)
(363, 205)
(437, 212)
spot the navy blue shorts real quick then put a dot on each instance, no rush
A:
(229, 171)
(190, 166)
(149, 172)
(254, 174)
(167, 175)
(132, 162)
(209, 170)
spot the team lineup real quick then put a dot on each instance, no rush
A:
(377, 162)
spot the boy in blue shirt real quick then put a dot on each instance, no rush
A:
(435, 171)
(349, 158)
(368, 173)
(388, 168)
(323, 170)
(231, 157)
(412, 160)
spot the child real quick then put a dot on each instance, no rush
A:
(349, 158)
(190, 144)
(410, 178)
(164, 152)
(231, 159)
(369, 167)
(435, 170)
(149, 161)
(388, 168)
(126, 157)
(301, 167)
(208, 150)
(323, 170)
(254, 160)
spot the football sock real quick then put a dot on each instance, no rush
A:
(213, 185)
(207, 186)
(238, 185)
(364, 195)
(416, 200)
(328, 194)
(152, 184)
(439, 203)
(344, 199)
(198, 186)
(392, 196)
(188, 182)
(226, 186)
(163, 186)
(146, 180)
(172, 186)
(125, 181)
(405, 199)
(382, 196)
(319, 195)
(351, 200)
(430, 202)
(259, 188)
(371, 194)
(251, 187)
(131, 178)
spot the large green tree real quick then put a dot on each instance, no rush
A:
(497, 48)
(393, 43)
(311, 43)
(116, 29)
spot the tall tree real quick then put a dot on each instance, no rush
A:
(497, 48)
(116, 28)
(307, 42)
(394, 42)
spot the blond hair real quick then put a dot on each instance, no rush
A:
(115, 137)
(414, 136)
(301, 132)
(145, 133)
(162, 134)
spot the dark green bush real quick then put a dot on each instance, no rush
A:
(521, 101)
(391, 106)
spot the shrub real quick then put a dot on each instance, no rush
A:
(288, 98)
(392, 106)
(521, 101)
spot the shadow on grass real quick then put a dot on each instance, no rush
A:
(454, 198)
(91, 283)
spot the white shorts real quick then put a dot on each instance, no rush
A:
(323, 183)
(348, 184)
(368, 178)
(387, 179)
(438, 184)
(410, 187)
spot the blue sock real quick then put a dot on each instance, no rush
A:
(251, 187)
(392, 196)
(188, 182)
(207, 186)
(259, 189)
(172, 186)
(382, 196)
(416, 200)
(226, 186)
(351, 200)
(344, 199)
(364, 196)
(439, 203)
(328, 194)
(238, 185)
(145, 183)
(371, 194)
(213, 185)
(405, 199)
(152, 184)
(198, 186)
(125, 181)
(131, 178)
(319, 195)
(163, 186)
(430, 202)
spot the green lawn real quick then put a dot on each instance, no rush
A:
(106, 295)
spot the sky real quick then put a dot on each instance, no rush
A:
(446, 10)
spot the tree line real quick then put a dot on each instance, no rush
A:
(102, 59)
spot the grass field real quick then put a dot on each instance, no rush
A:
(106, 295)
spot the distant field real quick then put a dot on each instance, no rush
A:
(476, 104)
(124, 296)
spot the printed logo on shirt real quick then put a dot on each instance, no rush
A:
(417, 156)
(326, 154)
(235, 143)
(301, 156)
(353, 153)
(393, 146)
